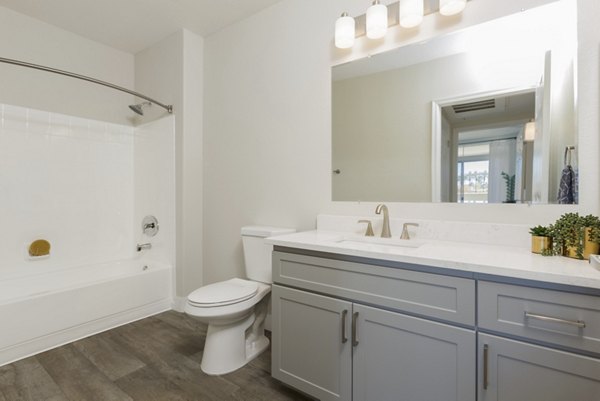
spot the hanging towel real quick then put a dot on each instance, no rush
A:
(576, 186)
(568, 186)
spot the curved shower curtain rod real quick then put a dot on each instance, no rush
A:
(167, 107)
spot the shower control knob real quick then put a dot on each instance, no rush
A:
(150, 226)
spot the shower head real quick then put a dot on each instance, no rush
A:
(137, 108)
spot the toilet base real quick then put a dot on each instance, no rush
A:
(228, 347)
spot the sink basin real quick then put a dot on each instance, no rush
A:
(393, 242)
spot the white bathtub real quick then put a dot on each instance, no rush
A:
(41, 312)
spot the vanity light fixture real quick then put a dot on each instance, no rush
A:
(411, 13)
(345, 31)
(452, 7)
(377, 20)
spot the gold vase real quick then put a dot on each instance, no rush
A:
(540, 244)
(589, 247)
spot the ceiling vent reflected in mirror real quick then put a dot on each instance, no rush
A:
(474, 106)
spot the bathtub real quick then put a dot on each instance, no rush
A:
(44, 311)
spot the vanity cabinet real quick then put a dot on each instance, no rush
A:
(348, 331)
(364, 330)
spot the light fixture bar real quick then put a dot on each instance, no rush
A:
(430, 7)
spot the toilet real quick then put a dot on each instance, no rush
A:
(235, 309)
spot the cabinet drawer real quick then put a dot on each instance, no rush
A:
(447, 298)
(517, 371)
(567, 319)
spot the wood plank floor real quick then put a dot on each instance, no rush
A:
(157, 358)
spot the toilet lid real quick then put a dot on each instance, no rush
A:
(223, 293)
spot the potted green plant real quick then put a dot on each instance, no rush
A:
(510, 187)
(576, 236)
(541, 240)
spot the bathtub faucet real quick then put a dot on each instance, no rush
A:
(141, 247)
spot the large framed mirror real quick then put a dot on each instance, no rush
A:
(482, 115)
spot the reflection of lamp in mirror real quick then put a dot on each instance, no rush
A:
(377, 20)
(452, 7)
(345, 30)
(529, 131)
(411, 13)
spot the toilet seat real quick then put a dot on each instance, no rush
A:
(223, 293)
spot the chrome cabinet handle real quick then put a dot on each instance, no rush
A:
(354, 330)
(344, 337)
(485, 366)
(576, 323)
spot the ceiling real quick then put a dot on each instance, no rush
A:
(133, 25)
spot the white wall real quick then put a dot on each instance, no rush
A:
(266, 129)
(33, 41)
(69, 181)
(171, 70)
(267, 148)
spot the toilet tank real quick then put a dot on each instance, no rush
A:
(257, 254)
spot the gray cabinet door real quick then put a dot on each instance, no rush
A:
(403, 358)
(311, 348)
(515, 371)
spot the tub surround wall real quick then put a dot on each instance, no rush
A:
(67, 180)
(154, 193)
(84, 186)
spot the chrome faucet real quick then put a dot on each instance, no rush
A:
(385, 230)
(140, 247)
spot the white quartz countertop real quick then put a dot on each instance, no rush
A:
(505, 261)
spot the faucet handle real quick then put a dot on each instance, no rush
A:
(369, 232)
(405, 234)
